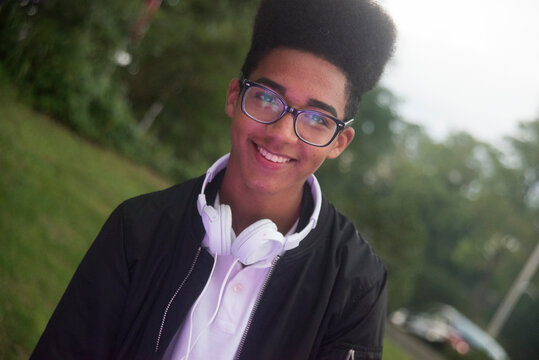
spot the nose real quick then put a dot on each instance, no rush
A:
(283, 130)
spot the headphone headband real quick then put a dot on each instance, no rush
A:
(215, 169)
(210, 215)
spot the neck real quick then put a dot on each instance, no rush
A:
(249, 206)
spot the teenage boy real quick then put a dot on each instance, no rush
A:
(249, 261)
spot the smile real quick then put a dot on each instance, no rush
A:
(272, 157)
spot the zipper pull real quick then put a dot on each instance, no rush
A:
(351, 355)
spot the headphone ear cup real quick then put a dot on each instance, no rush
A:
(218, 225)
(259, 241)
(225, 216)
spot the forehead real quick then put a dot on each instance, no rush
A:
(304, 77)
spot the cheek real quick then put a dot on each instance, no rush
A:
(235, 130)
(240, 126)
(316, 158)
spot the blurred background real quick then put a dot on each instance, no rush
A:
(104, 100)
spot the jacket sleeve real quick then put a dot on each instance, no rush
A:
(357, 331)
(85, 322)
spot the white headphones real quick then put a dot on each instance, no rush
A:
(260, 240)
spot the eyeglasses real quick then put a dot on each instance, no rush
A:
(265, 106)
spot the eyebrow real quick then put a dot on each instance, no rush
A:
(311, 102)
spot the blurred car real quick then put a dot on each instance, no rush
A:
(443, 324)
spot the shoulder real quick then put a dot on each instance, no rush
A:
(154, 220)
(357, 260)
(169, 202)
(358, 290)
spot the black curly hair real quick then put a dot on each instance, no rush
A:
(357, 36)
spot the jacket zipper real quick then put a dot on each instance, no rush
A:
(255, 307)
(173, 297)
(351, 354)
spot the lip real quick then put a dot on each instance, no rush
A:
(269, 158)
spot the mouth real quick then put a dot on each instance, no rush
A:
(274, 158)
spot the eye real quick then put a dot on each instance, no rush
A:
(269, 101)
(265, 97)
(316, 119)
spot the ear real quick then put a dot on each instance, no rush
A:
(232, 97)
(343, 140)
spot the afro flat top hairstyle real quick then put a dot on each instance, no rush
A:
(357, 36)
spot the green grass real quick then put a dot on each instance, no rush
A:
(393, 352)
(56, 191)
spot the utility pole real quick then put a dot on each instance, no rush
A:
(510, 300)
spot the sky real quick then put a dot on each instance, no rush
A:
(469, 65)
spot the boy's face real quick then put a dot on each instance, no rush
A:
(271, 158)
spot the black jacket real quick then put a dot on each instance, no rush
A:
(324, 299)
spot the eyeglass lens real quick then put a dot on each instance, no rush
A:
(265, 106)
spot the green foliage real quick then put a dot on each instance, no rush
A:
(61, 53)
(185, 62)
(526, 145)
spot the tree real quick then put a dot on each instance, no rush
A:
(519, 333)
(61, 53)
(180, 73)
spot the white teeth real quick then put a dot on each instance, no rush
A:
(272, 157)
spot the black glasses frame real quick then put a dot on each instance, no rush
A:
(341, 125)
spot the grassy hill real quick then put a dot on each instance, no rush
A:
(56, 190)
